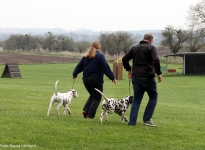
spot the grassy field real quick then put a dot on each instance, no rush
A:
(179, 114)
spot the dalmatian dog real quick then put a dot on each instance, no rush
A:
(119, 106)
(62, 99)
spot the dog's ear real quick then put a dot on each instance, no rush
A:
(73, 91)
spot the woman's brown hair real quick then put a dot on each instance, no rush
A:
(90, 54)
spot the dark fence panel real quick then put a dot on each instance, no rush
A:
(194, 64)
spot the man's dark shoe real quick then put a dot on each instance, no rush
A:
(149, 123)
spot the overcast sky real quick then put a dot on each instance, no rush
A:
(97, 15)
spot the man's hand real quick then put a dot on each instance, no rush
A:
(159, 78)
(129, 74)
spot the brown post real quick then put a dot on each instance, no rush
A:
(115, 69)
(119, 71)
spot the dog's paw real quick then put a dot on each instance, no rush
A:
(126, 120)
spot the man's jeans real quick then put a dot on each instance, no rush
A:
(140, 86)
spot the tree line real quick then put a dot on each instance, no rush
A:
(114, 43)
(49, 42)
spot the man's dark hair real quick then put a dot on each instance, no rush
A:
(148, 36)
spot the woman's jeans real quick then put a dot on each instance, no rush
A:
(140, 86)
(95, 97)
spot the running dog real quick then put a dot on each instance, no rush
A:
(62, 99)
(119, 106)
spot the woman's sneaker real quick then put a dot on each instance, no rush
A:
(84, 114)
(149, 123)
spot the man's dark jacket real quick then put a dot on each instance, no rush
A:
(145, 61)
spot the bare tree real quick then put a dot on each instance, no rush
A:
(196, 14)
(27, 42)
(37, 42)
(119, 37)
(107, 42)
(196, 18)
(117, 42)
(196, 40)
(111, 44)
(103, 40)
(174, 38)
(33, 43)
(82, 46)
(10, 43)
(127, 42)
(67, 43)
(15, 41)
(49, 41)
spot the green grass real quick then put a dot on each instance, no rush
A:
(179, 114)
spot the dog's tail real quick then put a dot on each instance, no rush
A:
(101, 93)
(56, 91)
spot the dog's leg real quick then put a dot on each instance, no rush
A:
(122, 117)
(102, 114)
(49, 108)
(57, 109)
(69, 111)
(126, 119)
(107, 115)
(66, 108)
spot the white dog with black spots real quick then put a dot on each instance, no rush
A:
(63, 99)
(119, 106)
